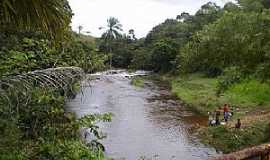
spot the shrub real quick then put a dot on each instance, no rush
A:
(231, 76)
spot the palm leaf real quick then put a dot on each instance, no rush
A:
(53, 78)
(51, 16)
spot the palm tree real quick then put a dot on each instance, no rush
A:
(80, 28)
(49, 16)
(112, 32)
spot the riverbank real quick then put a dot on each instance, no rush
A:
(250, 101)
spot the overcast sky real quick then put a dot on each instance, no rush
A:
(140, 15)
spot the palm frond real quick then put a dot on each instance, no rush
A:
(50, 16)
(54, 78)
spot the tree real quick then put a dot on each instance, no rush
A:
(163, 55)
(112, 32)
(183, 16)
(131, 33)
(51, 16)
(208, 13)
(80, 28)
(238, 39)
(230, 7)
(251, 5)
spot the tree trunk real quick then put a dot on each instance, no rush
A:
(262, 152)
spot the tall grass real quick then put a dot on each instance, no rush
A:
(249, 93)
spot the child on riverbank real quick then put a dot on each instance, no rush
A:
(217, 114)
(211, 119)
(238, 124)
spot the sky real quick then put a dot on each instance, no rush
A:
(140, 15)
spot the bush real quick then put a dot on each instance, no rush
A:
(231, 76)
(214, 72)
(249, 92)
(262, 71)
(65, 150)
(230, 139)
(39, 128)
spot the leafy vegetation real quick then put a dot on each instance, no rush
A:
(50, 17)
(37, 49)
(137, 81)
(231, 139)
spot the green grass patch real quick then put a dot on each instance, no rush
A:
(200, 92)
(230, 139)
(197, 91)
(137, 81)
(249, 94)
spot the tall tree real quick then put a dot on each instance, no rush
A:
(112, 32)
(131, 33)
(80, 28)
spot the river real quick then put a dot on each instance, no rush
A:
(148, 122)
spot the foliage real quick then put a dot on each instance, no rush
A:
(51, 17)
(35, 36)
(230, 77)
(229, 140)
(262, 71)
(249, 93)
(27, 55)
(43, 130)
(20, 53)
(122, 52)
(113, 28)
(163, 54)
(178, 31)
(236, 39)
(82, 53)
(137, 81)
(67, 150)
(141, 59)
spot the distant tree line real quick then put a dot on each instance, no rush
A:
(210, 41)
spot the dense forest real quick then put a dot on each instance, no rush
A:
(222, 51)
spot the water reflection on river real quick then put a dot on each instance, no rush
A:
(148, 122)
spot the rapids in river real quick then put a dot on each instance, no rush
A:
(148, 122)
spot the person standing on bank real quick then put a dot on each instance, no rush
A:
(226, 112)
(238, 124)
(217, 116)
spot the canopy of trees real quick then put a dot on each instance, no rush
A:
(211, 40)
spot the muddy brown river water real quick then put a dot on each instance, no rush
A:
(148, 122)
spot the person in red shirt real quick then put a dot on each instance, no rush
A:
(226, 112)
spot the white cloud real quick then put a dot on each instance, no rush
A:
(140, 15)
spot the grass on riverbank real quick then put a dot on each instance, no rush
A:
(200, 93)
(197, 91)
(250, 97)
(137, 81)
(228, 139)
